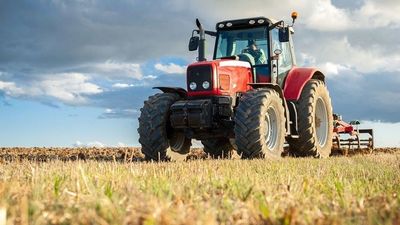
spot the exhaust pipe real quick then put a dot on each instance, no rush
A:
(202, 42)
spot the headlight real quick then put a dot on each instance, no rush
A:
(206, 84)
(192, 86)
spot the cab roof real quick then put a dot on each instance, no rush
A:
(244, 23)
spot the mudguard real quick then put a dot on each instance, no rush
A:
(297, 79)
(180, 91)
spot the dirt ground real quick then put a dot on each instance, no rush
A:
(126, 154)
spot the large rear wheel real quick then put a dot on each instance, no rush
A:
(315, 122)
(260, 124)
(155, 132)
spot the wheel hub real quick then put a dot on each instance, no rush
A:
(321, 122)
(271, 128)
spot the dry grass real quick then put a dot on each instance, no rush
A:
(338, 190)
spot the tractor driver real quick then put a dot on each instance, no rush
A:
(258, 54)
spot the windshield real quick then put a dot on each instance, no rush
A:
(249, 44)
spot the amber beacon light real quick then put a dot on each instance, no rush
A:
(294, 16)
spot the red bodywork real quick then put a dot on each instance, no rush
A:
(231, 77)
(296, 80)
(343, 127)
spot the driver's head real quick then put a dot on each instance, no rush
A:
(252, 44)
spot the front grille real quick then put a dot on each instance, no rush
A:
(199, 74)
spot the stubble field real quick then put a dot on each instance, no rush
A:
(113, 186)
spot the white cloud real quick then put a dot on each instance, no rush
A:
(10, 88)
(379, 14)
(341, 52)
(385, 134)
(171, 68)
(122, 85)
(332, 69)
(114, 69)
(143, 82)
(322, 15)
(119, 113)
(70, 88)
(120, 144)
(97, 144)
(326, 17)
(150, 77)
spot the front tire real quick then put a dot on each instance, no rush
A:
(315, 122)
(219, 148)
(260, 124)
(155, 132)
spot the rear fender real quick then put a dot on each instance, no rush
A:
(180, 91)
(297, 79)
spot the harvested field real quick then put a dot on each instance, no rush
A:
(123, 154)
(103, 186)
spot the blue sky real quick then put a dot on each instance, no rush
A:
(75, 73)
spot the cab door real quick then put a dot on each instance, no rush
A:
(285, 59)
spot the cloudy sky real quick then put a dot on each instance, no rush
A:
(76, 72)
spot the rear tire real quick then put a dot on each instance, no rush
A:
(155, 132)
(260, 124)
(315, 122)
(219, 148)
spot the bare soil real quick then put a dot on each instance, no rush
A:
(127, 154)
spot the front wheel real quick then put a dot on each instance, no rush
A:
(155, 132)
(219, 148)
(260, 124)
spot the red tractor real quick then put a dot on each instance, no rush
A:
(251, 97)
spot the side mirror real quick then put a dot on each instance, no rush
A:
(277, 51)
(284, 34)
(194, 43)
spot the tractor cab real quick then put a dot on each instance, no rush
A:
(264, 43)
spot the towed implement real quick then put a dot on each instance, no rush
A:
(348, 136)
(251, 97)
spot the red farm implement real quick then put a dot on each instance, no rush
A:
(348, 136)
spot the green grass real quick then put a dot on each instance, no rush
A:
(338, 190)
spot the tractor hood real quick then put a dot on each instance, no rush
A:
(217, 77)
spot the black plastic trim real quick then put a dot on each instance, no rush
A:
(180, 91)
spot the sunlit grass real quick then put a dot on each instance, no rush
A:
(338, 190)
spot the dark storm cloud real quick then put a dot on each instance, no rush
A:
(354, 4)
(45, 35)
(366, 97)
(51, 38)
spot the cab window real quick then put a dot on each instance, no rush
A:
(285, 59)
